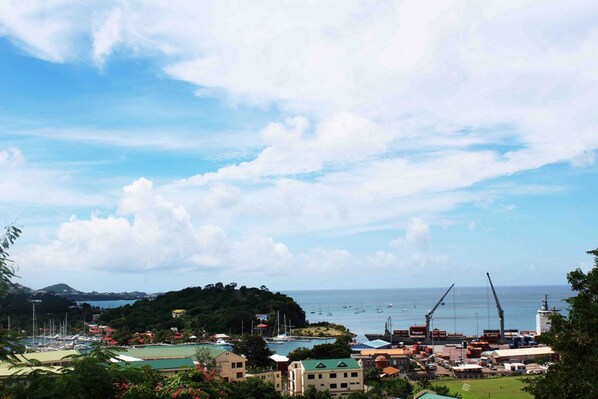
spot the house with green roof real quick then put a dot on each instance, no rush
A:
(230, 366)
(166, 367)
(340, 377)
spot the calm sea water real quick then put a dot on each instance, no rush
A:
(467, 309)
(109, 304)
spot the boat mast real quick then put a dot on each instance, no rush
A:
(501, 313)
(431, 312)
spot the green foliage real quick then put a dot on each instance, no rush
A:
(17, 306)
(397, 387)
(7, 272)
(337, 350)
(575, 339)
(445, 391)
(93, 377)
(255, 350)
(312, 393)
(8, 342)
(371, 377)
(202, 355)
(253, 388)
(215, 308)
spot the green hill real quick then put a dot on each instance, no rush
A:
(216, 308)
(61, 288)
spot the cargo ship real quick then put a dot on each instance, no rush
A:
(422, 333)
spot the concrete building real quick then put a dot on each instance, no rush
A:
(230, 366)
(340, 377)
(543, 322)
(50, 361)
(395, 358)
(273, 376)
(166, 367)
(521, 355)
(177, 313)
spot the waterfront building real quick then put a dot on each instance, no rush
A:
(543, 322)
(521, 355)
(340, 377)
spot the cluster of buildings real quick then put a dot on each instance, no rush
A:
(340, 377)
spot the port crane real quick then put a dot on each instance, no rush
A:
(431, 312)
(501, 313)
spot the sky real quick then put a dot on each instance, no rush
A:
(152, 146)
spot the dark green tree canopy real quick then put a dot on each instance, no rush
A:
(255, 350)
(215, 308)
(575, 339)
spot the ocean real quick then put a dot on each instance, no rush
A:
(466, 309)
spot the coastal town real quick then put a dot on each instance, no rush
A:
(265, 199)
(422, 357)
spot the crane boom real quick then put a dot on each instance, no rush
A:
(431, 312)
(501, 313)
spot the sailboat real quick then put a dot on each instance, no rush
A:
(284, 336)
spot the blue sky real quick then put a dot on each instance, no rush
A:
(150, 147)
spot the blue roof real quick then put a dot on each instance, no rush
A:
(375, 344)
(431, 395)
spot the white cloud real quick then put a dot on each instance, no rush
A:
(150, 233)
(106, 35)
(399, 109)
(24, 183)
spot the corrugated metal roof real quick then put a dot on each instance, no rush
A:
(330, 364)
(161, 364)
(390, 352)
(170, 351)
(541, 350)
(49, 357)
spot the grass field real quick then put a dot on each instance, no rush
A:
(495, 388)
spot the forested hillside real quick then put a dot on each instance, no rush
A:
(18, 306)
(212, 309)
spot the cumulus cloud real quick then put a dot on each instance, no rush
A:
(394, 109)
(149, 232)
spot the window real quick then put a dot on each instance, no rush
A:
(344, 385)
(240, 375)
(333, 386)
(311, 376)
(354, 374)
(345, 375)
(320, 376)
(239, 365)
(332, 375)
(232, 365)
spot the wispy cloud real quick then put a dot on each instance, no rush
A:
(394, 113)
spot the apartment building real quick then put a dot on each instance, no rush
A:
(340, 377)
